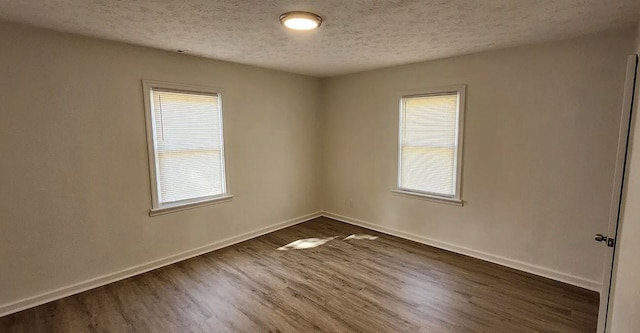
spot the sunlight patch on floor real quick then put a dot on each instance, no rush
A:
(309, 243)
(367, 237)
(306, 243)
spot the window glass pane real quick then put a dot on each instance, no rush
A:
(429, 144)
(431, 121)
(189, 174)
(428, 169)
(188, 144)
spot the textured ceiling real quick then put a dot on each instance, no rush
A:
(356, 34)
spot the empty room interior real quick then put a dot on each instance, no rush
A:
(327, 166)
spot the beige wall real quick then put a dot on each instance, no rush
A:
(539, 152)
(625, 296)
(74, 177)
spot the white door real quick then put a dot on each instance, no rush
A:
(608, 239)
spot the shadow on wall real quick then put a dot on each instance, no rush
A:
(309, 243)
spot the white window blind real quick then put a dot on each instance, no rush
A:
(188, 145)
(429, 144)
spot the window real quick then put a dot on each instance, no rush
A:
(430, 151)
(186, 148)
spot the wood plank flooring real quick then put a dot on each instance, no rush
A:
(382, 285)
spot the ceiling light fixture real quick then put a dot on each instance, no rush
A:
(300, 20)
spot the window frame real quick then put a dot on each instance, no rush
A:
(456, 199)
(156, 207)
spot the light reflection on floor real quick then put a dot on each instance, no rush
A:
(309, 243)
(367, 237)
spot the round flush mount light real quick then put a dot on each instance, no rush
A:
(300, 20)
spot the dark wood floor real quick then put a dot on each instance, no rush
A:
(382, 285)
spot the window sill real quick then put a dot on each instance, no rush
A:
(448, 201)
(175, 207)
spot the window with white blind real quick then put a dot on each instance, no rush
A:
(430, 147)
(186, 147)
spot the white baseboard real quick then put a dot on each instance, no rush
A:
(53, 295)
(515, 264)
